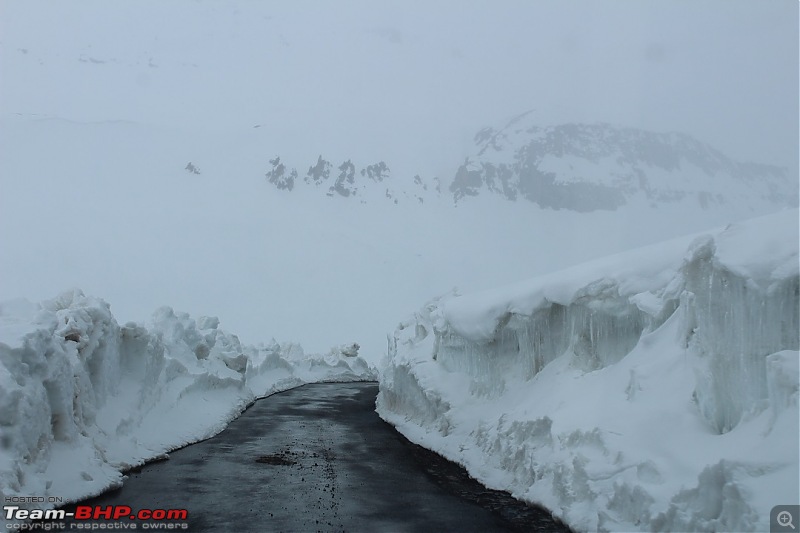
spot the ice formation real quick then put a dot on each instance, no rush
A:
(83, 398)
(651, 390)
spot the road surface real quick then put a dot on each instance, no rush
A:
(318, 458)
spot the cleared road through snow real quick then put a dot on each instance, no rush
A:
(318, 458)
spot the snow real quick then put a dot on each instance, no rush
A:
(627, 163)
(655, 389)
(83, 398)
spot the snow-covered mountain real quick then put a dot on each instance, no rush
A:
(586, 167)
(579, 167)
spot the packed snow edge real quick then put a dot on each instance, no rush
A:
(656, 389)
(82, 398)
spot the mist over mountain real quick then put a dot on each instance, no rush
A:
(572, 166)
(586, 167)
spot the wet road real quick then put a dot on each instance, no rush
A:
(318, 458)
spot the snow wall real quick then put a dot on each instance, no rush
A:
(652, 390)
(83, 398)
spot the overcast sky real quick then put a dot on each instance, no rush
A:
(412, 77)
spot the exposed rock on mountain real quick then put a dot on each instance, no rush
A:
(346, 182)
(350, 181)
(377, 172)
(318, 173)
(278, 176)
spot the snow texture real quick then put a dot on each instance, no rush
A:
(651, 390)
(83, 399)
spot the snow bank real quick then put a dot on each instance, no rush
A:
(652, 390)
(82, 398)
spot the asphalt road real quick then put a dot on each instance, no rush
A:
(318, 458)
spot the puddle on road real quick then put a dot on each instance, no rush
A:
(277, 460)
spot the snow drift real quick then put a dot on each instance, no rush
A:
(83, 398)
(652, 390)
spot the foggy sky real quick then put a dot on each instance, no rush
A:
(414, 79)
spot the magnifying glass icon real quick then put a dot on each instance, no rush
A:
(785, 519)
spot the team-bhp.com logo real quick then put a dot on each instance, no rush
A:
(89, 517)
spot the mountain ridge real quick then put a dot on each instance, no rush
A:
(581, 167)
